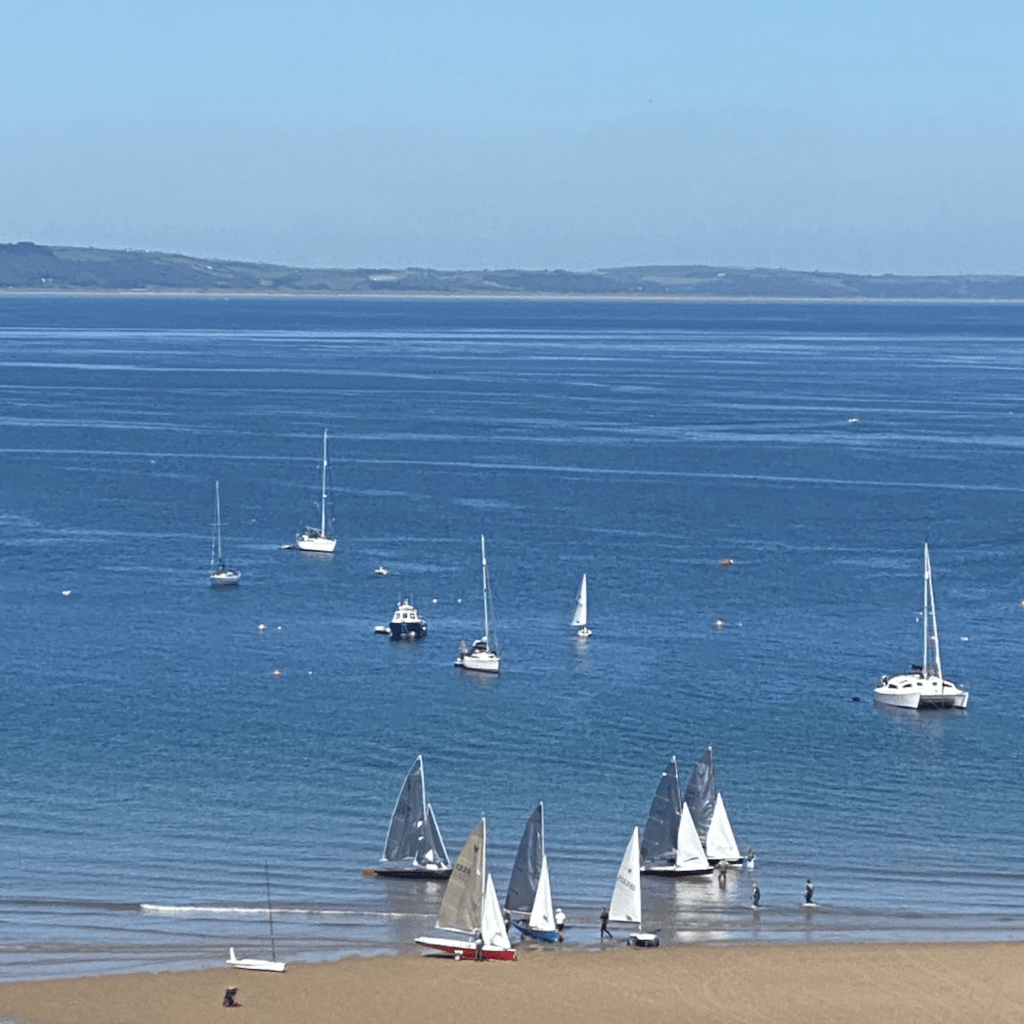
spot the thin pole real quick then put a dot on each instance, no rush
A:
(483, 558)
(927, 624)
(323, 495)
(270, 913)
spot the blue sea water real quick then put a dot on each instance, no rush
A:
(157, 748)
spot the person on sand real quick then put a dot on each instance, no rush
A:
(755, 896)
(479, 943)
(229, 997)
(809, 892)
(604, 924)
(560, 924)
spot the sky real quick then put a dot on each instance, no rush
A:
(868, 137)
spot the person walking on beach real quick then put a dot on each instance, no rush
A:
(560, 924)
(809, 893)
(604, 924)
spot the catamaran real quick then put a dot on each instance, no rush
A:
(470, 910)
(924, 686)
(314, 538)
(483, 655)
(579, 615)
(709, 815)
(670, 846)
(220, 574)
(414, 847)
(528, 900)
(626, 903)
(250, 964)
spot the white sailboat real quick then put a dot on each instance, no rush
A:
(414, 847)
(250, 964)
(626, 902)
(579, 615)
(470, 909)
(710, 818)
(924, 686)
(220, 574)
(528, 900)
(483, 655)
(314, 538)
(670, 846)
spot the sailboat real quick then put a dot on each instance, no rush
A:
(470, 908)
(220, 574)
(414, 847)
(528, 900)
(579, 616)
(924, 686)
(273, 964)
(710, 817)
(625, 905)
(313, 538)
(670, 846)
(483, 655)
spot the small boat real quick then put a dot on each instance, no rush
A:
(625, 906)
(380, 571)
(414, 847)
(710, 817)
(319, 539)
(470, 909)
(482, 655)
(924, 687)
(382, 629)
(528, 900)
(406, 623)
(220, 574)
(579, 615)
(273, 964)
(670, 847)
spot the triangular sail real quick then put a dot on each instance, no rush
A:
(721, 843)
(659, 840)
(462, 906)
(579, 615)
(492, 925)
(522, 886)
(408, 835)
(931, 624)
(626, 895)
(690, 854)
(437, 852)
(542, 916)
(700, 794)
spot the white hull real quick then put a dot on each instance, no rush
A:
(919, 693)
(254, 965)
(479, 661)
(225, 578)
(316, 542)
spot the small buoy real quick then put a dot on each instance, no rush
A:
(279, 629)
(459, 601)
(262, 627)
(965, 638)
(719, 624)
(435, 600)
(66, 593)
(853, 419)
(277, 671)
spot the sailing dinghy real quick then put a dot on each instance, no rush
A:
(528, 900)
(483, 655)
(709, 814)
(625, 905)
(670, 847)
(250, 964)
(470, 910)
(414, 847)
(579, 615)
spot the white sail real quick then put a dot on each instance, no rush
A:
(721, 843)
(542, 916)
(689, 851)
(492, 925)
(579, 616)
(626, 895)
(462, 906)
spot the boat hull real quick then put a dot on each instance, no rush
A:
(414, 873)
(479, 661)
(407, 630)
(644, 939)
(535, 933)
(316, 542)
(225, 578)
(671, 871)
(462, 949)
(918, 693)
(251, 964)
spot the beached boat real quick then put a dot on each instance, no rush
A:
(318, 538)
(469, 910)
(221, 575)
(414, 847)
(625, 907)
(528, 901)
(710, 817)
(251, 964)
(924, 687)
(406, 623)
(482, 655)
(670, 847)
(579, 615)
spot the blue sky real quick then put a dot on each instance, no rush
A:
(870, 137)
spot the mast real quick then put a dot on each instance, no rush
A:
(935, 621)
(220, 556)
(487, 625)
(270, 912)
(926, 624)
(323, 493)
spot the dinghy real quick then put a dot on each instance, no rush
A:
(670, 847)
(625, 906)
(579, 615)
(251, 964)
(528, 900)
(709, 814)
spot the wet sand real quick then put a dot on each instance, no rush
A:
(806, 984)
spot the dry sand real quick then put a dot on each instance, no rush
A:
(808, 984)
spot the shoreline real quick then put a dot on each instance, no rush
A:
(771, 984)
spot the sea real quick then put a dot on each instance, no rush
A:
(168, 749)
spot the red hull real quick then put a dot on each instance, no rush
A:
(461, 950)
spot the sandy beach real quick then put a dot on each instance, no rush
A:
(905, 983)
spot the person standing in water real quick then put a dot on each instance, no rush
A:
(809, 893)
(755, 896)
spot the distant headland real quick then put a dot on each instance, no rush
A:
(25, 266)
